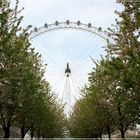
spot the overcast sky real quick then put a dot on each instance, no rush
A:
(98, 12)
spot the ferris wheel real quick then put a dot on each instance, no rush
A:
(68, 49)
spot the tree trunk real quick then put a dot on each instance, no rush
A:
(22, 130)
(32, 132)
(6, 132)
(100, 136)
(38, 134)
(108, 132)
(121, 122)
(122, 134)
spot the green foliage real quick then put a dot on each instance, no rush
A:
(26, 100)
(111, 101)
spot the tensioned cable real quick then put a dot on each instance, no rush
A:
(58, 59)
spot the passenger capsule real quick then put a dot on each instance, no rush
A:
(35, 29)
(89, 25)
(46, 25)
(99, 29)
(67, 22)
(78, 23)
(56, 23)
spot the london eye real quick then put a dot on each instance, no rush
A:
(68, 49)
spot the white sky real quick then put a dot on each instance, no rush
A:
(98, 12)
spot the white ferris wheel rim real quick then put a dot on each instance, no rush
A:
(70, 25)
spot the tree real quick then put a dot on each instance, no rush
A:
(13, 50)
(25, 97)
(126, 48)
(113, 87)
